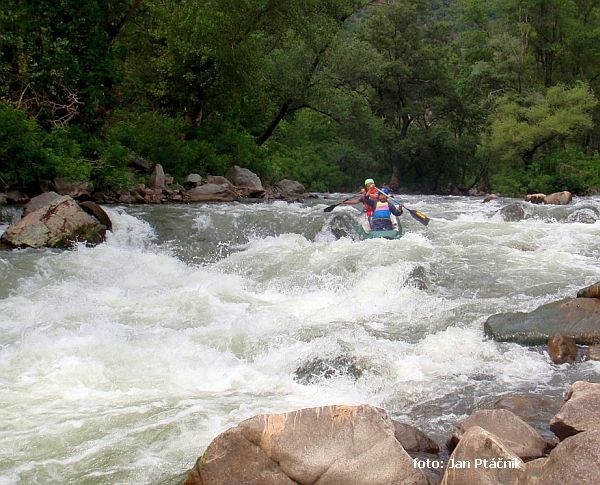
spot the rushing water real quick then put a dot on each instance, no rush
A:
(120, 363)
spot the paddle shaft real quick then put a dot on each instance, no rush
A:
(329, 208)
(415, 214)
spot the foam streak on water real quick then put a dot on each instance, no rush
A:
(120, 363)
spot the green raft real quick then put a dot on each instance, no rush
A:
(393, 234)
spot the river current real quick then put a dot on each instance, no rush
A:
(120, 363)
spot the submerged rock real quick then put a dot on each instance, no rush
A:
(576, 317)
(317, 369)
(328, 445)
(513, 212)
(583, 216)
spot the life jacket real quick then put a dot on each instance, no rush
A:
(382, 210)
(373, 195)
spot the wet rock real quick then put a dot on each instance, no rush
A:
(559, 198)
(593, 353)
(513, 212)
(479, 444)
(193, 180)
(592, 291)
(562, 349)
(318, 368)
(418, 278)
(157, 179)
(580, 410)
(57, 225)
(577, 317)
(98, 212)
(41, 200)
(211, 192)
(326, 445)
(515, 434)
(583, 216)
(535, 198)
(413, 440)
(490, 198)
(72, 188)
(244, 178)
(343, 225)
(575, 460)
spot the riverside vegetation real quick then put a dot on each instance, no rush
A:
(432, 96)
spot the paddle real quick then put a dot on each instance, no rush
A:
(416, 215)
(331, 207)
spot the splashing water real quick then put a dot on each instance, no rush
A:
(120, 363)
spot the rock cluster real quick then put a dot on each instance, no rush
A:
(239, 184)
(557, 198)
(57, 221)
(362, 445)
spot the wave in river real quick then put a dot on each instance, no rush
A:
(120, 363)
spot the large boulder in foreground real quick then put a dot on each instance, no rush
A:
(326, 445)
(470, 463)
(514, 433)
(576, 460)
(576, 317)
(580, 411)
(57, 225)
(40, 201)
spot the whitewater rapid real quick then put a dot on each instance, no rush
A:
(120, 363)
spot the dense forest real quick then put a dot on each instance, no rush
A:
(431, 96)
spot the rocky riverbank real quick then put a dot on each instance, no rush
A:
(238, 184)
(363, 445)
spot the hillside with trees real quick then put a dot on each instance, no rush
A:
(431, 96)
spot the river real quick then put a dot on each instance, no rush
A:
(120, 363)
